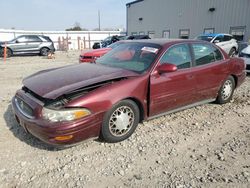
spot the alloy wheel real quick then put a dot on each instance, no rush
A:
(227, 90)
(121, 121)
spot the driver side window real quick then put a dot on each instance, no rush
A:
(178, 55)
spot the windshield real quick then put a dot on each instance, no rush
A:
(13, 40)
(206, 38)
(107, 39)
(135, 56)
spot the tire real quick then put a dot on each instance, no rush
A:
(226, 91)
(120, 121)
(1, 52)
(8, 52)
(44, 51)
(232, 52)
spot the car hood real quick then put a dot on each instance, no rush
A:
(53, 83)
(246, 50)
(97, 52)
(7, 42)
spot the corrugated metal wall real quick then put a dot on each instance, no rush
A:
(173, 15)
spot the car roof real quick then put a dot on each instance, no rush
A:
(163, 41)
(31, 35)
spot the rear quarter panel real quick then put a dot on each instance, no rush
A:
(237, 69)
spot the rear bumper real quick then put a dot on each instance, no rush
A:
(241, 78)
(52, 48)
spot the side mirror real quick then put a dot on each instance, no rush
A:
(216, 41)
(17, 41)
(167, 67)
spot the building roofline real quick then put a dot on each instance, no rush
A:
(133, 2)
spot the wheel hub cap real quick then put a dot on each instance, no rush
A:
(121, 121)
(227, 90)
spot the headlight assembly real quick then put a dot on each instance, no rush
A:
(65, 114)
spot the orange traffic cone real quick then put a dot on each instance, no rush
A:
(5, 52)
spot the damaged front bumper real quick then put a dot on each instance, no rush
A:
(28, 113)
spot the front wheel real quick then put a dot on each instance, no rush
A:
(8, 52)
(232, 52)
(120, 121)
(226, 91)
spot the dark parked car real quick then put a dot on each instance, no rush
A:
(107, 41)
(28, 44)
(112, 39)
(136, 81)
(136, 37)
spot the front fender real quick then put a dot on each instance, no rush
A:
(103, 98)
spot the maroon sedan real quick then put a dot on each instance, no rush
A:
(109, 98)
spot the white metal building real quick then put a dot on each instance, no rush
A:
(189, 18)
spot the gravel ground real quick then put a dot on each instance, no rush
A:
(206, 146)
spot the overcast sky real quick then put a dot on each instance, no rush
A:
(62, 14)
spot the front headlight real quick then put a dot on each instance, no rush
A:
(95, 57)
(64, 115)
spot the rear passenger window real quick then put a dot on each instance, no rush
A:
(178, 55)
(217, 53)
(205, 54)
(34, 39)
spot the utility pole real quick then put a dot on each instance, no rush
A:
(99, 20)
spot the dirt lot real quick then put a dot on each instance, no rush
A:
(206, 146)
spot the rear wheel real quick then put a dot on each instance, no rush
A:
(9, 52)
(44, 51)
(120, 121)
(232, 52)
(226, 91)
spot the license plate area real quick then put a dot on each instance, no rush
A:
(23, 126)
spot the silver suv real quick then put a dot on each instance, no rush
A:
(35, 44)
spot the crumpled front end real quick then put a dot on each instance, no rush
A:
(28, 111)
